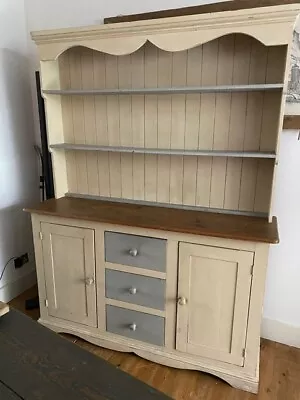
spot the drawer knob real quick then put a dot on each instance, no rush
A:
(89, 281)
(133, 252)
(133, 327)
(182, 301)
(133, 290)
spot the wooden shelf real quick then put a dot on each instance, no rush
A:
(174, 152)
(167, 205)
(169, 90)
(238, 227)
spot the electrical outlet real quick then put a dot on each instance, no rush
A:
(20, 261)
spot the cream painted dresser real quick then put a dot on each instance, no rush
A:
(165, 139)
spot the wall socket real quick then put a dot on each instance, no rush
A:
(22, 260)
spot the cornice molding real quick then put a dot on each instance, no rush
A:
(270, 25)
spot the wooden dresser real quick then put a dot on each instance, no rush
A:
(164, 137)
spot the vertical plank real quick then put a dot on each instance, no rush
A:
(237, 126)
(207, 122)
(222, 121)
(101, 124)
(78, 119)
(66, 105)
(124, 71)
(276, 64)
(113, 112)
(272, 101)
(87, 64)
(203, 182)
(164, 126)
(223, 100)
(248, 184)
(233, 183)
(241, 71)
(179, 71)
(179, 78)
(151, 57)
(193, 101)
(138, 122)
(264, 185)
(192, 123)
(189, 180)
(257, 74)
(113, 123)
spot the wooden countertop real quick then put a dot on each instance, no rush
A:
(237, 227)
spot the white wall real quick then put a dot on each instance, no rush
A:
(282, 302)
(18, 167)
(282, 299)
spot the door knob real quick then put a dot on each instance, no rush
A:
(133, 327)
(182, 301)
(133, 252)
(89, 281)
(132, 290)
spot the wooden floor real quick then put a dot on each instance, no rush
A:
(280, 371)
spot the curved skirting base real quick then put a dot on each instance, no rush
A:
(238, 381)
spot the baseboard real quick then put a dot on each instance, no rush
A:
(15, 288)
(281, 332)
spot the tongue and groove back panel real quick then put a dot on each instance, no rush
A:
(246, 121)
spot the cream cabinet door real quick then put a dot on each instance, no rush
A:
(69, 265)
(214, 290)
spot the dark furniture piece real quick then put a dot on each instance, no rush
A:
(36, 363)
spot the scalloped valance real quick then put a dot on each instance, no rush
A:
(270, 25)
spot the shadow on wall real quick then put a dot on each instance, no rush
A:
(18, 165)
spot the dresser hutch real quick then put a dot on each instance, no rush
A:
(164, 137)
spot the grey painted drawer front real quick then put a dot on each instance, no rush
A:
(135, 325)
(137, 251)
(137, 289)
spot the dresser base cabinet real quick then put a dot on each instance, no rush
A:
(200, 310)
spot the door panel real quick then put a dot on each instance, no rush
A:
(69, 263)
(215, 283)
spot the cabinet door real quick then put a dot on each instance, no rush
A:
(213, 290)
(69, 264)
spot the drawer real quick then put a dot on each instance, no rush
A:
(137, 289)
(136, 251)
(135, 325)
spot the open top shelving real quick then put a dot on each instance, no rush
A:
(190, 117)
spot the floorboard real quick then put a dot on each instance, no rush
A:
(280, 371)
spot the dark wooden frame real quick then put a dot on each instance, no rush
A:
(38, 364)
(290, 121)
(204, 9)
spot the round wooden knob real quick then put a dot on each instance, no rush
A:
(182, 301)
(133, 327)
(132, 290)
(89, 281)
(133, 252)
